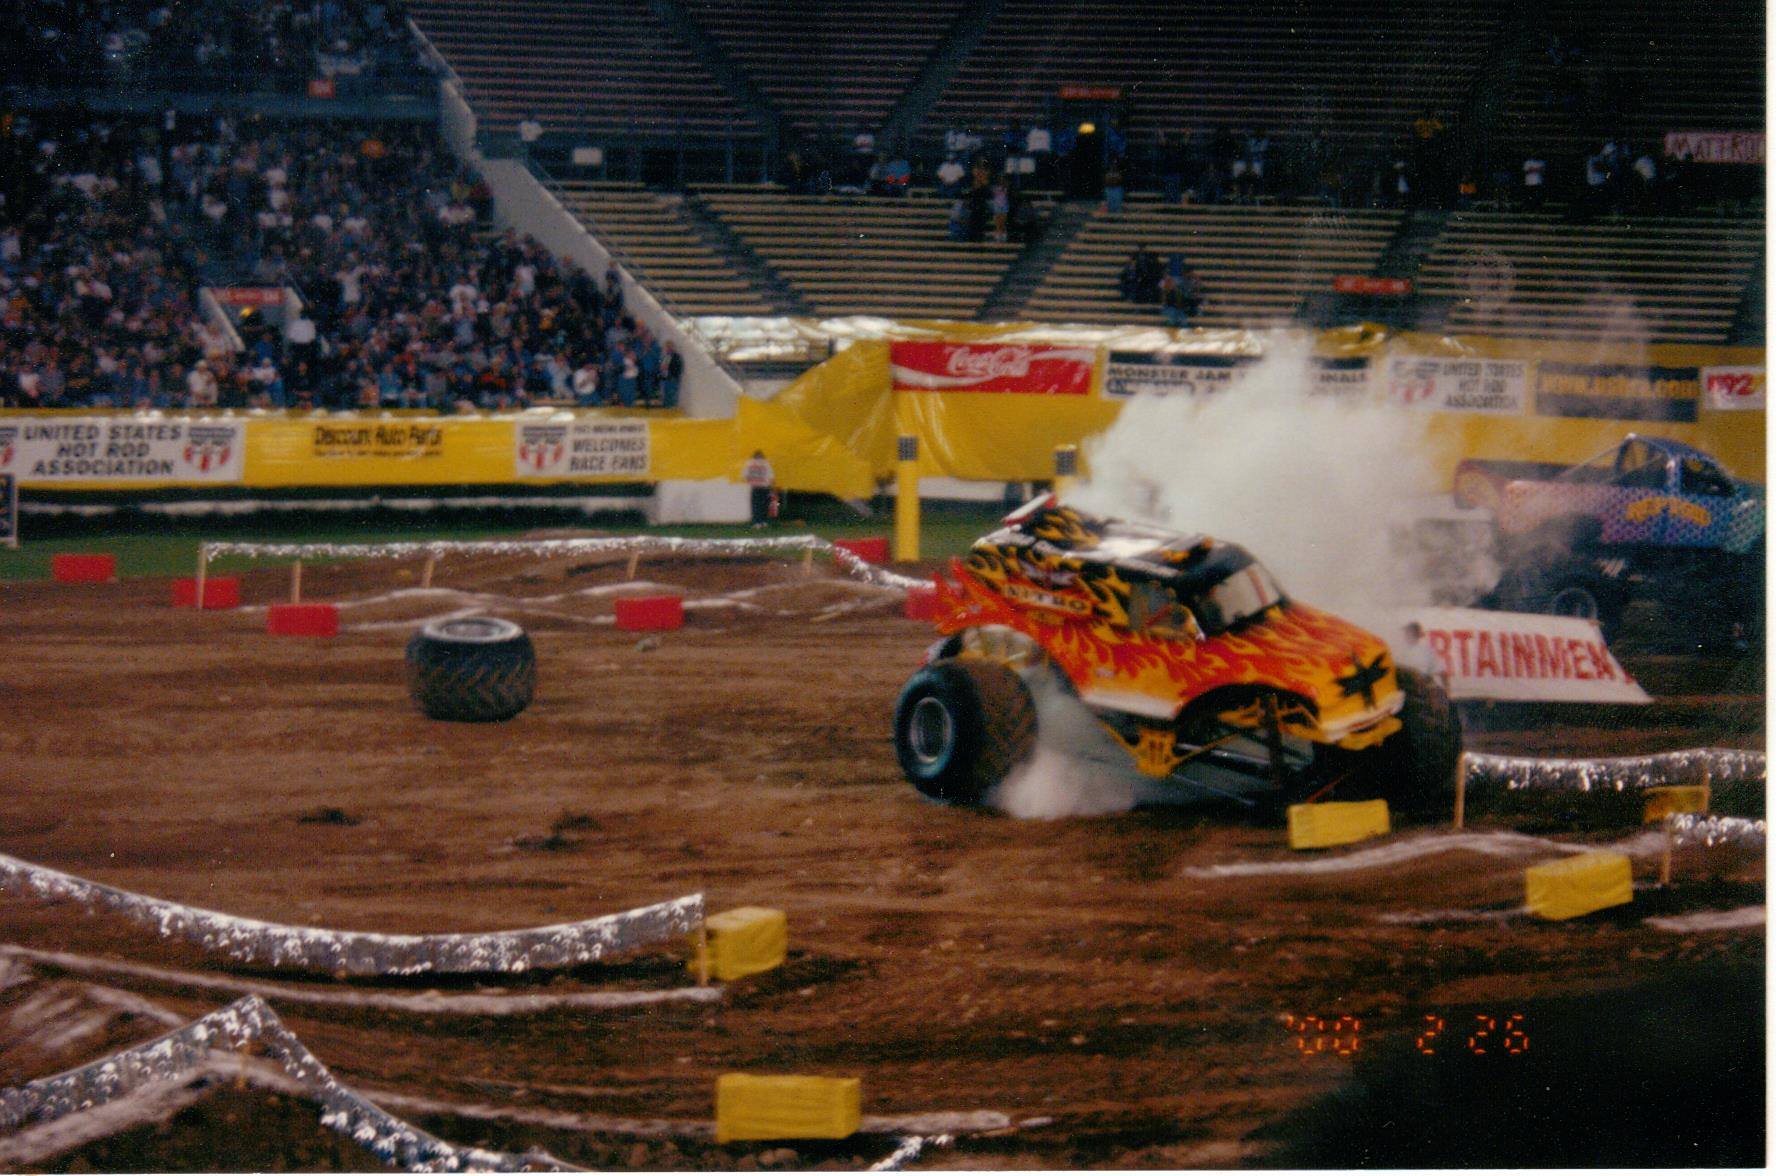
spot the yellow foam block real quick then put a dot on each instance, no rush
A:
(1675, 798)
(1578, 885)
(1317, 826)
(788, 1106)
(743, 941)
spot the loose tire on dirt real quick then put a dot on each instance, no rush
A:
(471, 670)
(1414, 770)
(961, 725)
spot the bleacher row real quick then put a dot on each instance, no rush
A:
(1527, 274)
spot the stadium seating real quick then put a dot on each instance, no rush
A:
(864, 254)
(661, 248)
(1535, 275)
(1646, 69)
(1255, 264)
(598, 67)
(1360, 70)
(837, 65)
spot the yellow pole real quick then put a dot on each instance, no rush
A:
(1461, 790)
(1066, 469)
(906, 500)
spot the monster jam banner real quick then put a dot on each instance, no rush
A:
(619, 449)
(1733, 389)
(1458, 384)
(1521, 657)
(1134, 373)
(991, 367)
(1622, 392)
(169, 451)
(1128, 374)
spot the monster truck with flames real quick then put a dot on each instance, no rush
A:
(1183, 649)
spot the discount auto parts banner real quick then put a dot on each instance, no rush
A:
(991, 367)
(1518, 657)
(121, 449)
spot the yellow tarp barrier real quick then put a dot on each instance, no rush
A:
(742, 942)
(750, 1106)
(1319, 826)
(1675, 798)
(1578, 885)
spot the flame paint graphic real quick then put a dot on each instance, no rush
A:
(1085, 629)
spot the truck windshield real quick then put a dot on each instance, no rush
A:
(1240, 597)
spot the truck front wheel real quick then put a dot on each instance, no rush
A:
(960, 727)
(1414, 769)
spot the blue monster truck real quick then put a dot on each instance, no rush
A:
(1647, 516)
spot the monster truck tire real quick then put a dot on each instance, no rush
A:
(960, 726)
(1414, 770)
(471, 670)
(1566, 586)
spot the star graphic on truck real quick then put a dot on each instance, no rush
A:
(1362, 678)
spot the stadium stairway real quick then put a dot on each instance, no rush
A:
(1006, 303)
(1538, 275)
(782, 295)
(865, 254)
(1256, 264)
(660, 246)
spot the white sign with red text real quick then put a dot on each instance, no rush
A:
(37, 450)
(1733, 389)
(920, 366)
(1521, 657)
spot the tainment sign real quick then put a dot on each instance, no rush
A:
(582, 449)
(1519, 657)
(122, 449)
(991, 367)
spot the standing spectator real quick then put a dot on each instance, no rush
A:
(1180, 293)
(299, 337)
(1535, 183)
(1171, 168)
(1224, 149)
(1113, 189)
(1248, 169)
(672, 375)
(530, 129)
(950, 174)
(758, 475)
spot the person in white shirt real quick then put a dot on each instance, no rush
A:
(757, 474)
(949, 176)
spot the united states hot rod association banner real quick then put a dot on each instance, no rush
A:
(991, 367)
(150, 451)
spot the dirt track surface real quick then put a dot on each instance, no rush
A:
(1071, 974)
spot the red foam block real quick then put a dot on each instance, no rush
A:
(640, 614)
(302, 620)
(219, 592)
(871, 550)
(71, 568)
(921, 603)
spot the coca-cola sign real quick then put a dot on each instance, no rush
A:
(992, 367)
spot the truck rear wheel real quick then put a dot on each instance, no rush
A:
(961, 725)
(1414, 769)
(1566, 587)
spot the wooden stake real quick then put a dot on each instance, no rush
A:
(807, 562)
(702, 955)
(1665, 857)
(1461, 790)
(203, 566)
(634, 563)
(425, 575)
(296, 582)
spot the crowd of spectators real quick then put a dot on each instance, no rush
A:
(229, 45)
(408, 298)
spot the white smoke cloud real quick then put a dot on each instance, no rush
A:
(1316, 486)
